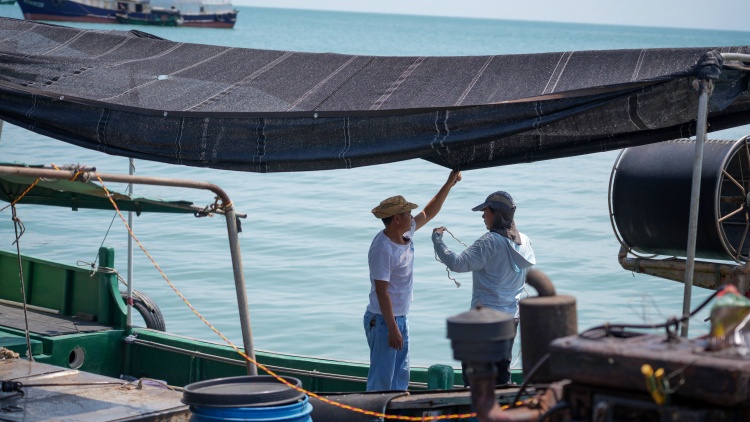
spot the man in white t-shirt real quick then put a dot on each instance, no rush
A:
(391, 261)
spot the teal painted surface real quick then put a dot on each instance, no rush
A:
(17, 343)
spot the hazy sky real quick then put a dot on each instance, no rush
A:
(707, 14)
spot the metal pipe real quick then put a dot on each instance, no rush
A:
(481, 377)
(705, 87)
(736, 56)
(131, 171)
(540, 282)
(708, 275)
(239, 279)
(239, 283)
(119, 178)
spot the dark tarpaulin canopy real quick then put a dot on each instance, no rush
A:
(77, 194)
(135, 95)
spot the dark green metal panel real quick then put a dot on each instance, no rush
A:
(84, 294)
(112, 308)
(102, 351)
(47, 287)
(10, 288)
(71, 290)
(106, 260)
(17, 343)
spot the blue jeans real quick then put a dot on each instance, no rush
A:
(389, 368)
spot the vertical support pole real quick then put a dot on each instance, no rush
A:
(130, 250)
(239, 283)
(705, 87)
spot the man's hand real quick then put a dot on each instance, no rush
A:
(394, 339)
(439, 230)
(433, 207)
(454, 177)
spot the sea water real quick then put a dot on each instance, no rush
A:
(306, 236)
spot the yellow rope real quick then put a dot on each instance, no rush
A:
(78, 173)
(22, 195)
(261, 366)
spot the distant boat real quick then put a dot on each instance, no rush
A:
(196, 13)
(140, 13)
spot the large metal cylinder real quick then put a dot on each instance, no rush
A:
(481, 335)
(543, 319)
(650, 199)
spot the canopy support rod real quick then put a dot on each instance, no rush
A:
(736, 56)
(131, 171)
(705, 87)
(239, 278)
(234, 248)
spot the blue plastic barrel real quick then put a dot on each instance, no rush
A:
(248, 398)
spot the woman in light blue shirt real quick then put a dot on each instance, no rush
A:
(499, 261)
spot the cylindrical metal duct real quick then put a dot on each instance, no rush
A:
(543, 319)
(649, 199)
(481, 335)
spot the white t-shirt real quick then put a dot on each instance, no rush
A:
(393, 263)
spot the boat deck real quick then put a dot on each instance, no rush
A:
(46, 323)
(55, 393)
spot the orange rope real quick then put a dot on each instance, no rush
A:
(32, 185)
(22, 195)
(261, 366)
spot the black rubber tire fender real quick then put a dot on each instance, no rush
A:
(151, 313)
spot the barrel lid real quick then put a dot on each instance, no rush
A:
(244, 391)
(481, 324)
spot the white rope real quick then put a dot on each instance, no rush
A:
(103, 270)
(458, 284)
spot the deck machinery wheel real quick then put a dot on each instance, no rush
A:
(649, 199)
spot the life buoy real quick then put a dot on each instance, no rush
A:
(147, 308)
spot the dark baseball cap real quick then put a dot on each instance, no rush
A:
(500, 201)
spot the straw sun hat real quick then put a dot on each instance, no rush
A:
(392, 206)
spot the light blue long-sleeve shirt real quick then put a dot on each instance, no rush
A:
(498, 266)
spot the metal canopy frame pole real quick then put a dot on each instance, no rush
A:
(736, 56)
(131, 166)
(705, 87)
(229, 213)
(234, 248)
